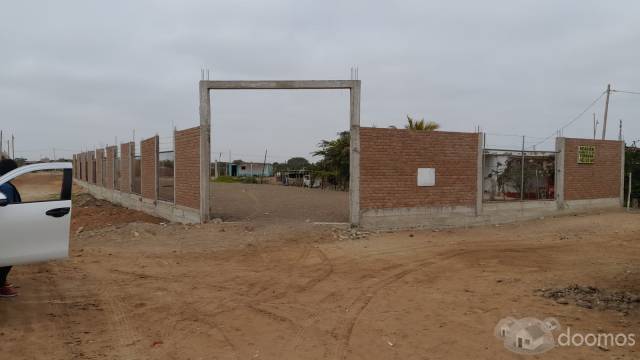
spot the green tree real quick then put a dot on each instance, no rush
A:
(632, 165)
(297, 163)
(421, 125)
(335, 158)
(20, 161)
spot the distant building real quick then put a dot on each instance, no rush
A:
(250, 169)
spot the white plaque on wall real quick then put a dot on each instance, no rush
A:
(426, 176)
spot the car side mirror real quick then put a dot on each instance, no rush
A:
(3, 200)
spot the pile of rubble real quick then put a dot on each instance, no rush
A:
(593, 298)
(350, 234)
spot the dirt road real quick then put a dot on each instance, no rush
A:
(277, 203)
(242, 291)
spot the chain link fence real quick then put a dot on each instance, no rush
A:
(514, 175)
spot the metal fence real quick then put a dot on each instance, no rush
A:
(116, 171)
(136, 186)
(510, 175)
(166, 161)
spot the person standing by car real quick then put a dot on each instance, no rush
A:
(12, 195)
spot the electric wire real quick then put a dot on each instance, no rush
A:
(574, 119)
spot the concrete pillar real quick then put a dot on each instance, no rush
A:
(205, 151)
(559, 180)
(480, 174)
(354, 154)
(622, 177)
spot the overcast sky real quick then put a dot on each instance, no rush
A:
(78, 74)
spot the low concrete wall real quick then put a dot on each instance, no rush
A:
(417, 217)
(591, 204)
(492, 213)
(161, 209)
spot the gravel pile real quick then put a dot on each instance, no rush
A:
(590, 297)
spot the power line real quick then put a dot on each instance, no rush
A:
(627, 92)
(574, 119)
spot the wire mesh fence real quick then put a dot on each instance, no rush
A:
(166, 161)
(94, 170)
(116, 172)
(510, 175)
(136, 186)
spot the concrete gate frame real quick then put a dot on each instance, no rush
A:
(354, 126)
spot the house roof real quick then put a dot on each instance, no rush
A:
(534, 331)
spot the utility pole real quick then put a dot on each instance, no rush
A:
(0, 141)
(215, 167)
(606, 112)
(620, 131)
(264, 165)
(522, 173)
(595, 126)
(13, 147)
(629, 193)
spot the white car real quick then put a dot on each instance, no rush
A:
(35, 231)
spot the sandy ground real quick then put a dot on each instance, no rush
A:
(38, 186)
(278, 203)
(144, 290)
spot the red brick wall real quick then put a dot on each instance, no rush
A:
(389, 162)
(149, 168)
(90, 157)
(84, 166)
(126, 166)
(79, 166)
(187, 167)
(99, 160)
(111, 156)
(592, 181)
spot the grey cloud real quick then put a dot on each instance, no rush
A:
(79, 73)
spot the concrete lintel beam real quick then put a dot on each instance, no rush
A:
(278, 84)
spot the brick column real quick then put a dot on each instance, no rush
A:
(75, 165)
(187, 168)
(111, 159)
(99, 161)
(149, 167)
(91, 167)
(84, 166)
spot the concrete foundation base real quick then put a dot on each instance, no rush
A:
(492, 213)
(161, 209)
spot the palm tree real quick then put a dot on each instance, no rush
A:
(421, 125)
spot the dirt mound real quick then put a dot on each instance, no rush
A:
(593, 298)
(90, 213)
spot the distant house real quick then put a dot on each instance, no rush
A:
(250, 169)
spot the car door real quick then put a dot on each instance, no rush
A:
(37, 228)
